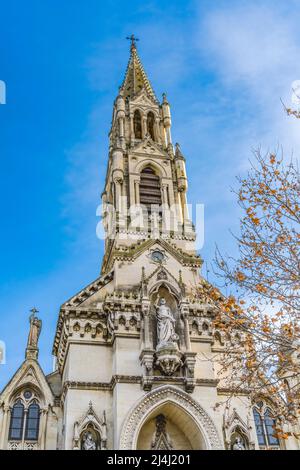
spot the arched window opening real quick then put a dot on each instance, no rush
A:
(137, 124)
(150, 192)
(270, 429)
(32, 422)
(265, 427)
(259, 428)
(17, 422)
(150, 125)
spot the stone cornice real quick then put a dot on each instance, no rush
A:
(132, 252)
(131, 379)
(109, 386)
(230, 391)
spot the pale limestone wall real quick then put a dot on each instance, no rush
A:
(125, 397)
(76, 406)
(204, 367)
(88, 362)
(52, 429)
(129, 273)
(126, 356)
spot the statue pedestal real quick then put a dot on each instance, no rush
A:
(168, 358)
(32, 353)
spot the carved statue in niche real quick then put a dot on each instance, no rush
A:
(110, 321)
(165, 324)
(88, 441)
(238, 444)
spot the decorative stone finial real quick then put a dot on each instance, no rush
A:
(178, 153)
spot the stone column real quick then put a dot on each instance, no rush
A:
(132, 191)
(118, 195)
(144, 126)
(137, 191)
(178, 207)
(168, 135)
(43, 428)
(131, 128)
(146, 313)
(4, 430)
(165, 195)
(121, 126)
(124, 199)
(184, 206)
(157, 130)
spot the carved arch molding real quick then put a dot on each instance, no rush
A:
(138, 415)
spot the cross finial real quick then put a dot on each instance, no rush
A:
(34, 310)
(133, 40)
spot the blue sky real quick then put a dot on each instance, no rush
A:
(224, 65)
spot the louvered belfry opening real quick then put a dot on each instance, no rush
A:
(150, 125)
(150, 193)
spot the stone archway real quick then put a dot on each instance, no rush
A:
(188, 420)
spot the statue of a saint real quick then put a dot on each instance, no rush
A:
(103, 431)
(35, 330)
(110, 321)
(238, 444)
(165, 324)
(88, 442)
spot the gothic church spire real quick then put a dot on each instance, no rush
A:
(135, 77)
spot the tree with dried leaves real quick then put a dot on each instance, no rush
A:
(264, 278)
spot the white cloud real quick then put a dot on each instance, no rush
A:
(255, 50)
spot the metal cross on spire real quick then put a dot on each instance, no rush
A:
(34, 311)
(133, 40)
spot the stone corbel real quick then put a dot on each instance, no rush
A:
(189, 370)
(147, 359)
(168, 359)
(146, 323)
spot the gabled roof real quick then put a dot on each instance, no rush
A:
(149, 147)
(29, 374)
(135, 77)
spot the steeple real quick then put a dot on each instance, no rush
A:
(144, 197)
(135, 77)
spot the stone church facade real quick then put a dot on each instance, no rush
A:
(133, 348)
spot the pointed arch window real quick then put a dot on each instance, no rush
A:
(17, 421)
(150, 192)
(265, 427)
(150, 125)
(259, 428)
(137, 124)
(270, 424)
(24, 421)
(32, 422)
